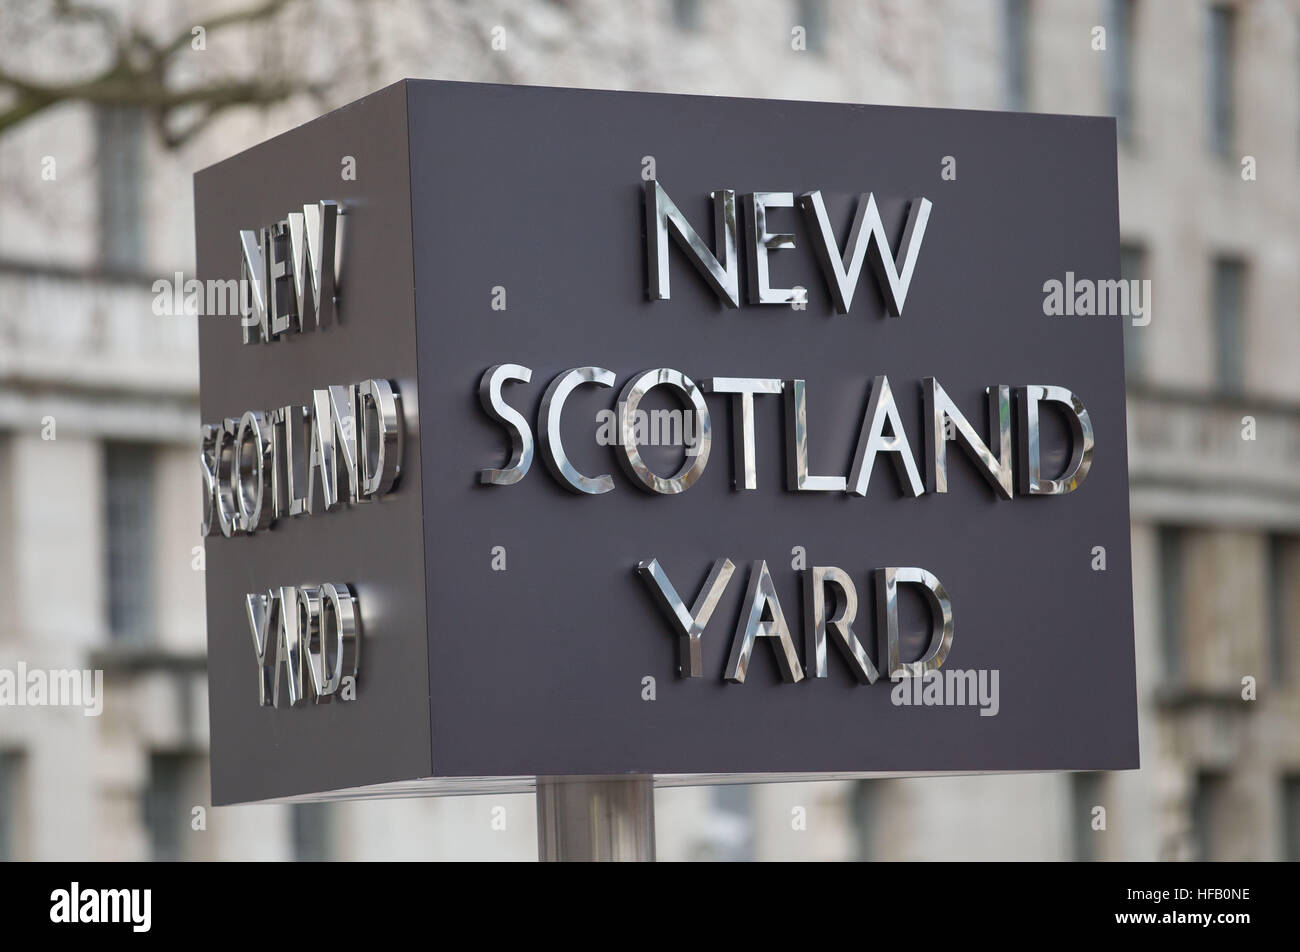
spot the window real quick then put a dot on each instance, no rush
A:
(1132, 267)
(1220, 73)
(119, 132)
(734, 837)
(1227, 299)
(312, 832)
(1119, 65)
(811, 15)
(128, 499)
(686, 15)
(1291, 818)
(1085, 796)
(1172, 572)
(1209, 796)
(167, 805)
(10, 792)
(1279, 548)
(1016, 38)
(864, 812)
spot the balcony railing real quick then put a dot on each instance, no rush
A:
(84, 330)
(88, 351)
(1201, 458)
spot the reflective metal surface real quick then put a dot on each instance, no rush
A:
(941, 630)
(254, 463)
(335, 644)
(346, 448)
(761, 603)
(1081, 441)
(343, 418)
(323, 467)
(227, 506)
(288, 647)
(311, 634)
(255, 305)
(816, 580)
(279, 263)
(501, 785)
(697, 454)
(381, 437)
(279, 280)
(796, 445)
(313, 235)
(292, 429)
(208, 436)
(866, 236)
(553, 444)
(662, 218)
(334, 460)
(996, 469)
(744, 471)
(521, 434)
(688, 624)
(872, 440)
(307, 608)
(595, 819)
(261, 623)
(761, 241)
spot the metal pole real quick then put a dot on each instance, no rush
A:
(596, 819)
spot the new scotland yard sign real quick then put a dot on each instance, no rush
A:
(821, 487)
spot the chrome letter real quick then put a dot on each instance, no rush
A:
(761, 241)
(254, 465)
(312, 239)
(796, 445)
(1032, 481)
(521, 436)
(744, 471)
(553, 444)
(815, 581)
(381, 437)
(255, 306)
(941, 630)
(872, 440)
(339, 635)
(261, 611)
(996, 469)
(690, 625)
(662, 217)
(760, 598)
(843, 270)
(697, 455)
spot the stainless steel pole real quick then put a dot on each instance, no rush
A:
(596, 819)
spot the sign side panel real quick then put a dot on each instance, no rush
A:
(261, 752)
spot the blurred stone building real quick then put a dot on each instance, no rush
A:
(99, 503)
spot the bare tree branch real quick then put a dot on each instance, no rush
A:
(139, 74)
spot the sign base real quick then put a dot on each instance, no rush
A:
(596, 819)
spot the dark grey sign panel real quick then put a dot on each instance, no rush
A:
(506, 630)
